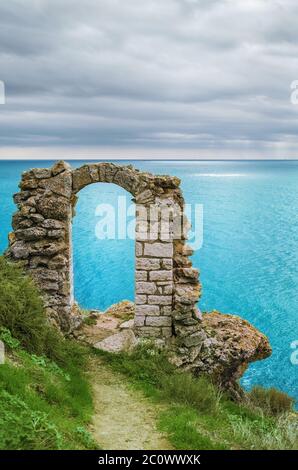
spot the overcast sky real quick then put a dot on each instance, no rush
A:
(149, 78)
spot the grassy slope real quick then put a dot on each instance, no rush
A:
(196, 415)
(42, 405)
(45, 397)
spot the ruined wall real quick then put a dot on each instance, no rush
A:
(167, 287)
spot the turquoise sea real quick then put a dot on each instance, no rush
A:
(248, 260)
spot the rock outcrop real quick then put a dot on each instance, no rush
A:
(227, 343)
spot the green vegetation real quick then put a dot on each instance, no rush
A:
(45, 397)
(197, 416)
(272, 401)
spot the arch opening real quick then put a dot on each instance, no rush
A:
(103, 246)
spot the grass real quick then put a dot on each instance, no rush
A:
(195, 415)
(22, 313)
(42, 405)
(45, 397)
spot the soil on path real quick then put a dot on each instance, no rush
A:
(124, 419)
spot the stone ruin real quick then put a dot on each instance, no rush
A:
(167, 288)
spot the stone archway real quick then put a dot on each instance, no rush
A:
(166, 285)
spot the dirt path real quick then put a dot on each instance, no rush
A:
(124, 419)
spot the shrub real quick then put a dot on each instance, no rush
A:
(271, 400)
(186, 389)
(21, 307)
(22, 313)
(34, 431)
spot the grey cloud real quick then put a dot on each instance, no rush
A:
(177, 73)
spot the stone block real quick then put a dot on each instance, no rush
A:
(141, 275)
(139, 321)
(139, 249)
(193, 340)
(160, 299)
(147, 264)
(81, 177)
(167, 263)
(149, 332)
(167, 332)
(32, 233)
(159, 250)
(145, 287)
(147, 310)
(140, 299)
(158, 321)
(60, 184)
(59, 167)
(160, 276)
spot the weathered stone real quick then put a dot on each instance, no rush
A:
(167, 332)
(186, 293)
(145, 197)
(59, 167)
(167, 263)
(160, 276)
(150, 331)
(159, 250)
(52, 224)
(45, 274)
(158, 321)
(194, 339)
(145, 287)
(120, 342)
(81, 177)
(60, 184)
(93, 171)
(160, 299)
(45, 248)
(107, 171)
(188, 273)
(53, 208)
(141, 275)
(28, 184)
(36, 218)
(18, 198)
(20, 250)
(42, 173)
(57, 262)
(140, 299)
(139, 321)
(168, 289)
(56, 233)
(33, 233)
(139, 249)
(39, 261)
(146, 264)
(147, 310)
(127, 324)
